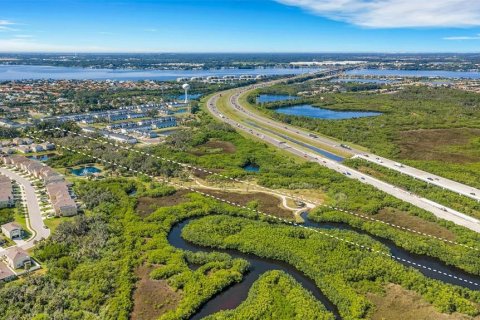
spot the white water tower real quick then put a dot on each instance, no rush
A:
(186, 87)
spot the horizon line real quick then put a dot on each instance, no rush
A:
(240, 52)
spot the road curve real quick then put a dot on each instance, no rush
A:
(33, 207)
(437, 209)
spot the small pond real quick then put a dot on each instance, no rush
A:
(191, 96)
(85, 171)
(251, 168)
(263, 98)
(42, 157)
(310, 111)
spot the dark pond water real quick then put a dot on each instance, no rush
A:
(263, 98)
(251, 168)
(22, 72)
(309, 111)
(85, 171)
(233, 296)
(185, 110)
(414, 73)
(190, 96)
(43, 157)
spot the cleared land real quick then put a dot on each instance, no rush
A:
(148, 205)
(398, 301)
(152, 298)
(406, 220)
(266, 203)
(459, 145)
(214, 146)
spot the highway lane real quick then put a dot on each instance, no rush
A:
(435, 208)
(33, 207)
(439, 181)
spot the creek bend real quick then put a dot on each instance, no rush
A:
(234, 295)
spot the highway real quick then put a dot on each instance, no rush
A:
(273, 132)
(444, 183)
(33, 207)
(439, 181)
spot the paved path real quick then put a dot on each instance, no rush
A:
(33, 207)
(233, 104)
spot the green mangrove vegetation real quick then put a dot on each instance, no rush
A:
(276, 295)
(342, 272)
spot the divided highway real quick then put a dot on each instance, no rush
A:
(308, 146)
(441, 182)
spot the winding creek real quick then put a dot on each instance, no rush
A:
(234, 295)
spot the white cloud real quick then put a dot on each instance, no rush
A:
(477, 37)
(395, 13)
(5, 26)
(5, 29)
(6, 23)
(30, 45)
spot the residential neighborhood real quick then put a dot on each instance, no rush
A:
(56, 185)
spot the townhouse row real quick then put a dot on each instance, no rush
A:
(58, 189)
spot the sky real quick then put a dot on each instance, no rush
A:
(239, 25)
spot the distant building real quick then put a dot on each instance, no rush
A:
(89, 130)
(6, 194)
(119, 137)
(22, 141)
(6, 150)
(23, 149)
(48, 146)
(37, 148)
(12, 230)
(17, 258)
(6, 274)
(6, 123)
